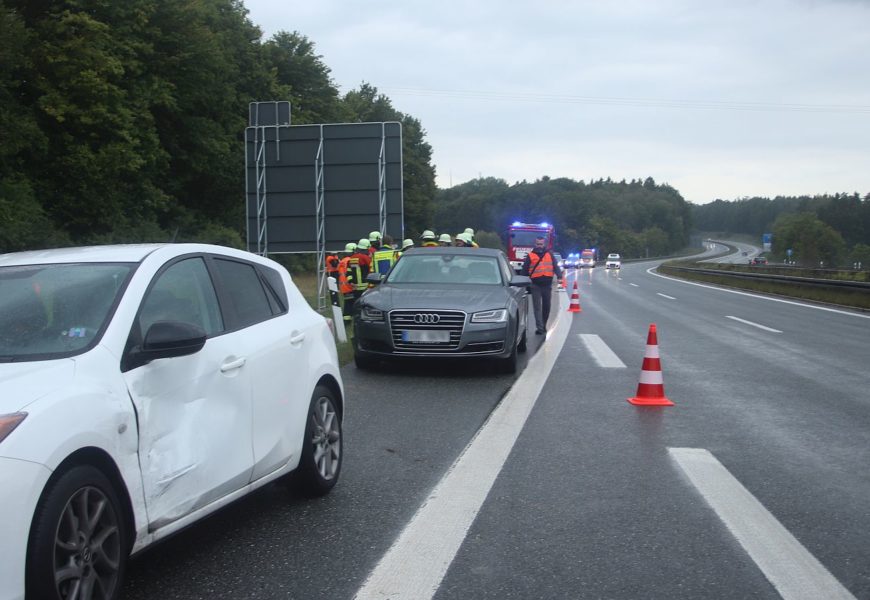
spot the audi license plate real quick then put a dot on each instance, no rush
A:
(426, 336)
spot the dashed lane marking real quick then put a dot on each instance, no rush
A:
(601, 352)
(771, 329)
(794, 572)
(666, 296)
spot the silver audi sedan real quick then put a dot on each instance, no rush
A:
(443, 303)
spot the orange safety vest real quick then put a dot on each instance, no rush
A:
(347, 281)
(544, 264)
(331, 263)
(429, 244)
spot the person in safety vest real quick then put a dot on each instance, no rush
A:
(330, 265)
(406, 245)
(384, 259)
(349, 273)
(541, 267)
(445, 240)
(375, 241)
(428, 238)
(363, 253)
(469, 232)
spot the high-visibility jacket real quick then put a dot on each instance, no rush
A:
(541, 266)
(349, 273)
(429, 244)
(383, 260)
(364, 261)
(331, 263)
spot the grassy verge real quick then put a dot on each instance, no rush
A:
(307, 284)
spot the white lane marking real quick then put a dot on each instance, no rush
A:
(794, 572)
(666, 296)
(601, 352)
(721, 289)
(417, 561)
(634, 284)
(771, 329)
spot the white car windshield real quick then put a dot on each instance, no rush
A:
(50, 311)
(446, 268)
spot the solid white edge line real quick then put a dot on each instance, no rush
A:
(794, 572)
(416, 563)
(793, 302)
(764, 327)
(601, 352)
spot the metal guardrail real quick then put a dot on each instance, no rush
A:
(770, 278)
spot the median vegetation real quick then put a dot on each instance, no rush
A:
(829, 286)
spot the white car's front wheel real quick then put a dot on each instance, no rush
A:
(78, 542)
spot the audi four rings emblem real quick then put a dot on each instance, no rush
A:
(428, 318)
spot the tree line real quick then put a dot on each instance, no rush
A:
(829, 229)
(637, 218)
(124, 121)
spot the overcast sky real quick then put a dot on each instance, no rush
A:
(720, 99)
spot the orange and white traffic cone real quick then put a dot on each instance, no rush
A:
(651, 388)
(575, 300)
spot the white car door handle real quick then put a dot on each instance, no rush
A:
(233, 364)
(297, 339)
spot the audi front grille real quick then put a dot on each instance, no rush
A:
(408, 323)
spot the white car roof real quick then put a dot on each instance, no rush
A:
(109, 254)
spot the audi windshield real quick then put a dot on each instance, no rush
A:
(446, 268)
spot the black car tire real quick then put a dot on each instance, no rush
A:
(523, 345)
(78, 538)
(322, 447)
(509, 364)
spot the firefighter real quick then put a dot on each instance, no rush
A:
(428, 238)
(384, 259)
(364, 253)
(445, 240)
(461, 240)
(470, 233)
(375, 241)
(331, 261)
(349, 273)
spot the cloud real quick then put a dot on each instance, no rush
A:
(720, 99)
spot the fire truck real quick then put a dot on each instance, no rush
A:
(587, 258)
(521, 240)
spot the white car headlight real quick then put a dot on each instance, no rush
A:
(490, 316)
(10, 422)
(371, 314)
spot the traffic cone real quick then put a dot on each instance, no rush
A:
(651, 388)
(575, 300)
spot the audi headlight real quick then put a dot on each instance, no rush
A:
(490, 316)
(10, 422)
(371, 314)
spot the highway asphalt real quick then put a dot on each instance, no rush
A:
(590, 502)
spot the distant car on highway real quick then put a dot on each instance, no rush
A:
(443, 303)
(559, 260)
(758, 260)
(143, 387)
(614, 261)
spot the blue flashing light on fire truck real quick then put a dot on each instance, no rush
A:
(521, 240)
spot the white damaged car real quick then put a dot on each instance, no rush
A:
(141, 388)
